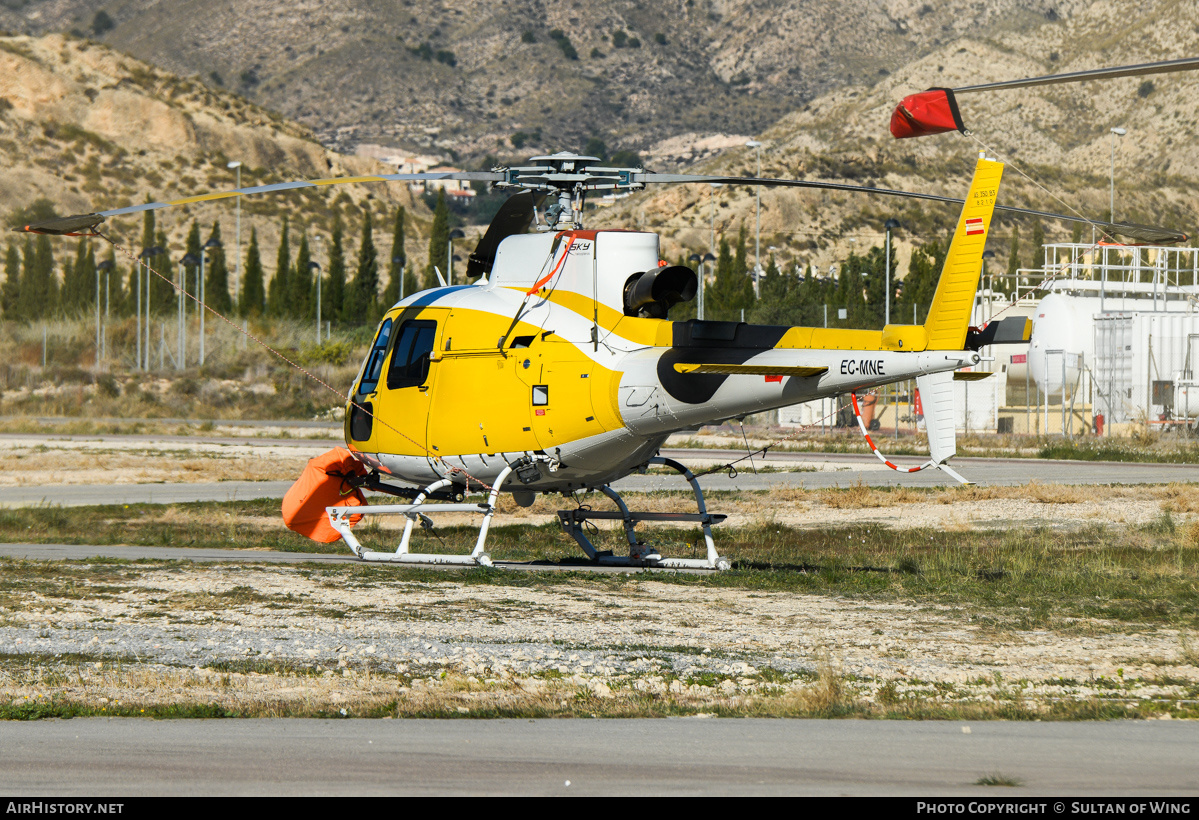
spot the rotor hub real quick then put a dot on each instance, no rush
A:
(568, 178)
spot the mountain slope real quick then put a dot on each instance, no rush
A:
(467, 75)
(91, 129)
(1056, 142)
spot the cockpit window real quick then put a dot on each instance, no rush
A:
(374, 360)
(410, 359)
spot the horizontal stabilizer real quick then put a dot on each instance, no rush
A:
(1013, 330)
(751, 370)
(971, 375)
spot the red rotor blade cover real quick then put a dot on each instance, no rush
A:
(934, 111)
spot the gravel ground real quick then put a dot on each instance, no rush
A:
(281, 639)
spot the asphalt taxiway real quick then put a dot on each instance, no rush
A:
(782, 469)
(115, 757)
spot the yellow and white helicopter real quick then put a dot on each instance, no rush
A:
(557, 371)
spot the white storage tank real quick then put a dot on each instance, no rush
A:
(1062, 341)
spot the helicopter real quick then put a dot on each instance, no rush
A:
(558, 371)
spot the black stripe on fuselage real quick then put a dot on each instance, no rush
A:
(696, 342)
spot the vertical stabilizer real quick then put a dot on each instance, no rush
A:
(949, 315)
(936, 396)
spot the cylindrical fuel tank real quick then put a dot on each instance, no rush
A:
(1063, 340)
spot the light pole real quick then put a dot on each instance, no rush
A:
(449, 252)
(105, 266)
(757, 146)
(236, 164)
(98, 318)
(190, 260)
(712, 200)
(989, 284)
(143, 362)
(701, 260)
(890, 225)
(1115, 132)
(211, 245)
(401, 263)
(315, 267)
(317, 244)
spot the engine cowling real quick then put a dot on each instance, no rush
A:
(652, 293)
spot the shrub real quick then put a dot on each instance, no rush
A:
(102, 23)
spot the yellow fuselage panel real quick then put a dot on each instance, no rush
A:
(478, 400)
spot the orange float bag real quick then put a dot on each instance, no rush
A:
(321, 485)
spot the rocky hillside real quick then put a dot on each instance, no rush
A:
(91, 129)
(1056, 142)
(476, 77)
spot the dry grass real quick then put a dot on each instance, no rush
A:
(1189, 650)
(1179, 498)
(80, 467)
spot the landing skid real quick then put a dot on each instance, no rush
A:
(573, 521)
(417, 511)
(642, 555)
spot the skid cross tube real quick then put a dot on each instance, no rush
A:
(640, 554)
(418, 510)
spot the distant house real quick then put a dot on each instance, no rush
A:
(453, 187)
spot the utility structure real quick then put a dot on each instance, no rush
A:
(212, 244)
(457, 233)
(102, 336)
(315, 268)
(1115, 132)
(236, 165)
(890, 225)
(700, 260)
(143, 361)
(757, 146)
(190, 260)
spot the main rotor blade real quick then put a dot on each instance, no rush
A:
(1166, 66)
(1138, 232)
(470, 176)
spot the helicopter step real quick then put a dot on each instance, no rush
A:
(340, 517)
(640, 554)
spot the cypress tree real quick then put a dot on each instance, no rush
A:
(731, 290)
(191, 272)
(38, 295)
(302, 288)
(27, 306)
(79, 284)
(395, 270)
(439, 240)
(361, 303)
(921, 282)
(216, 275)
(72, 296)
(741, 262)
(111, 292)
(253, 296)
(150, 239)
(161, 293)
(334, 299)
(773, 285)
(1038, 245)
(11, 291)
(280, 288)
(775, 307)
(1013, 259)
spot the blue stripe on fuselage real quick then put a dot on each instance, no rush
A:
(429, 297)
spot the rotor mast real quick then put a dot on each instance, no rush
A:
(567, 178)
